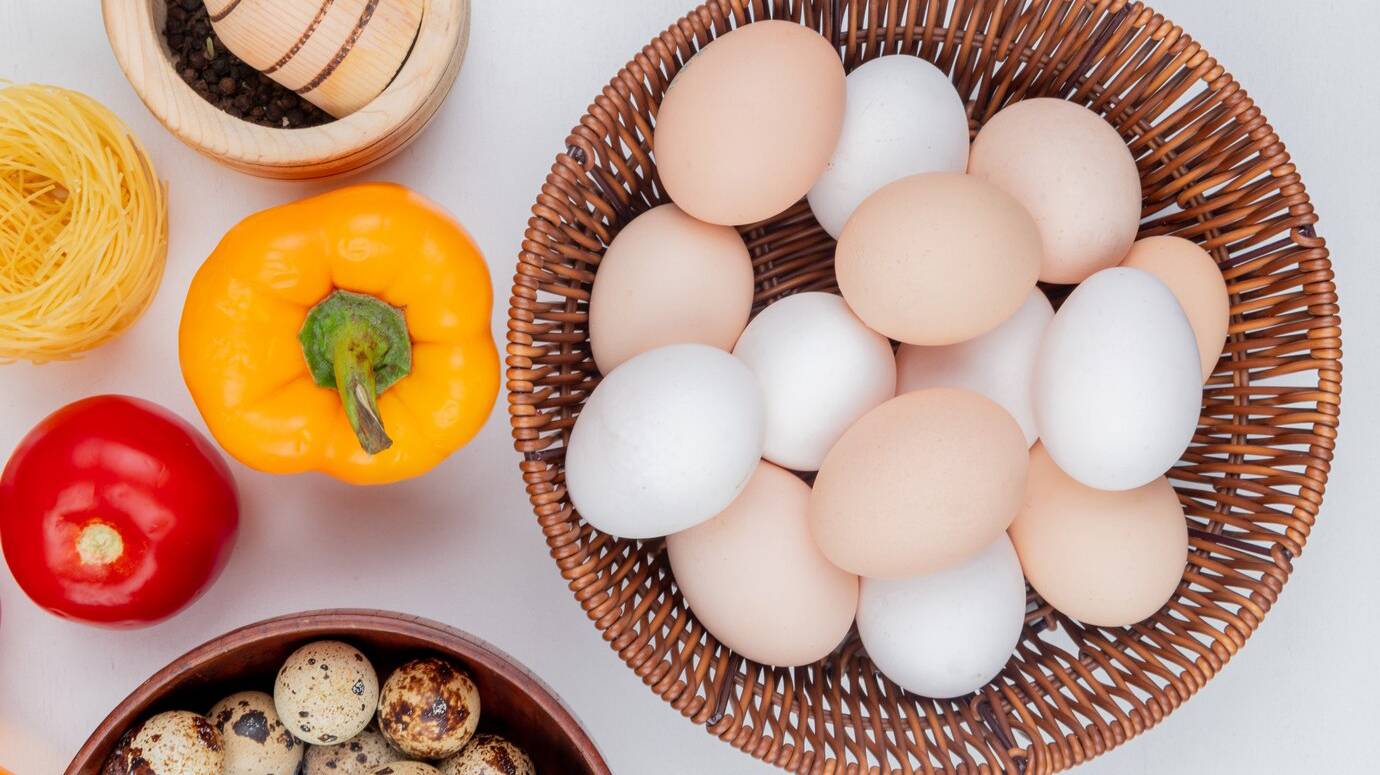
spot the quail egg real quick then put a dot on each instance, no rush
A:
(360, 755)
(117, 763)
(429, 708)
(326, 692)
(405, 768)
(174, 743)
(256, 742)
(489, 755)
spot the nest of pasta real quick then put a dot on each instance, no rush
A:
(83, 224)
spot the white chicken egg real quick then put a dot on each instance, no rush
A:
(1117, 381)
(947, 633)
(666, 441)
(821, 368)
(902, 117)
(256, 742)
(999, 364)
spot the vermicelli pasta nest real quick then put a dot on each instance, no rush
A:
(83, 224)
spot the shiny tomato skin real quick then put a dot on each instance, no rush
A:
(116, 512)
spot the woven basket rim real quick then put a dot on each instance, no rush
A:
(1068, 709)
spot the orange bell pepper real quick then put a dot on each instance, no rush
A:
(347, 333)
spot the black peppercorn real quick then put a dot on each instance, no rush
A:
(225, 80)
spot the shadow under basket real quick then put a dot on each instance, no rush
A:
(1212, 171)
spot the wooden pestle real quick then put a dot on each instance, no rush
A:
(338, 54)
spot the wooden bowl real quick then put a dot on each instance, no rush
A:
(1212, 170)
(514, 703)
(358, 141)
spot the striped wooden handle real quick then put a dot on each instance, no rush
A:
(339, 54)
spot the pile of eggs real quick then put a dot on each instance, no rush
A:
(1000, 443)
(328, 715)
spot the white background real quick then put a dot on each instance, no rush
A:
(461, 545)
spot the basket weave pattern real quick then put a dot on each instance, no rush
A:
(1212, 170)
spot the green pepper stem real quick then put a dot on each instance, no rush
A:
(354, 379)
(358, 345)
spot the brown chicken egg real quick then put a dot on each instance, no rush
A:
(937, 258)
(922, 483)
(429, 708)
(1197, 282)
(748, 125)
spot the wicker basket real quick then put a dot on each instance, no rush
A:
(1212, 170)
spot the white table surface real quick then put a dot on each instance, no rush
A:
(461, 545)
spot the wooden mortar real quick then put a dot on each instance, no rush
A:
(355, 142)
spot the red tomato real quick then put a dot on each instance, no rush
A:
(115, 511)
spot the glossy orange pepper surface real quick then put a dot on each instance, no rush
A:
(347, 333)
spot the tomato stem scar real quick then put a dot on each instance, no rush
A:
(99, 544)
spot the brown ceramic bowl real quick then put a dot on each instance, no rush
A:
(515, 703)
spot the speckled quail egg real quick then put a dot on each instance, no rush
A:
(360, 755)
(489, 755)
(256, 742)
(406, 768)
(117, 763)
(429, 708)
(174, 743)
(326, 692)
